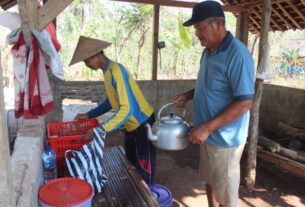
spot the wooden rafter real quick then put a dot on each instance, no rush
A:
(303, 1)
(251, 4)
(257, 25)
(282, 18)
(50, 11)
(272, 20)
(253, 30)
(5, 1)
(183, 4)
(8, 4)
(277, 25)
(289, 16)
(297, 10)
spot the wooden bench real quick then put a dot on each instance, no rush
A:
(125, 187)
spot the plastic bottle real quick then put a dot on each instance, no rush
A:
(49, 164)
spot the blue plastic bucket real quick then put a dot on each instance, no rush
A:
(162, 195)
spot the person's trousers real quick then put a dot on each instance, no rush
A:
(140, 151)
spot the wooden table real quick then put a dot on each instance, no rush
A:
(125, 187)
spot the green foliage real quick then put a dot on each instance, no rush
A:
(183, 34)
(291, 55)
(129, 27)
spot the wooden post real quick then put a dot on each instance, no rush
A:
(254, 117)
(28, 10)
(155, 42)
(29, 18)
(6, 186)
(242, 27)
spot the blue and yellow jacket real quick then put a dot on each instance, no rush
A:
(124, 97)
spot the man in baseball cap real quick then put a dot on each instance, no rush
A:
(222, 98)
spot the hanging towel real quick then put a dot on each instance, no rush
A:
(33, 95)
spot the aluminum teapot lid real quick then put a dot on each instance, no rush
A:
(171, 119)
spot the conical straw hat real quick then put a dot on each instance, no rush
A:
(87, 47)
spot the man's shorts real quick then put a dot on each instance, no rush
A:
(220, 168)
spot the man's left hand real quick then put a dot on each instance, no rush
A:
(199, 134)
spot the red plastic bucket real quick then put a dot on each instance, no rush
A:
(162, 194)
(66, 192)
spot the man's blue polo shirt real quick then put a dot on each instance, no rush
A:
(224, 77)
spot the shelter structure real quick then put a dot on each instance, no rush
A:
(256, 16)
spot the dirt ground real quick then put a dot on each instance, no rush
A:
(178, 172)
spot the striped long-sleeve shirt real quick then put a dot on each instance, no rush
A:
(125, 97)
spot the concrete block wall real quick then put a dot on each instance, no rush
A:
(278, 103)
(281, 104)
(26, 162)
(157, 93)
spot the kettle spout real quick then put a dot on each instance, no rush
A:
(150, 135)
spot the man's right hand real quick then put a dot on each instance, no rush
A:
(81, 116)
(180, 100)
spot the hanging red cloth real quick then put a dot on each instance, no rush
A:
(33, 95)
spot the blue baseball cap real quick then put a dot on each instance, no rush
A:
(204, 10)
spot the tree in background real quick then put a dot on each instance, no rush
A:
(129, 27)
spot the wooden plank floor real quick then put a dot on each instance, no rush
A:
(125, 187)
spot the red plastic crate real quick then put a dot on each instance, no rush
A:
(63, 136)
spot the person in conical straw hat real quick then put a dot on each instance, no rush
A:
(124, 96)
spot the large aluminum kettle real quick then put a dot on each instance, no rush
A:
(169, 132)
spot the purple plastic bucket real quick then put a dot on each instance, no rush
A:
(162, 195)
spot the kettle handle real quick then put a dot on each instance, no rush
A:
(166, 105)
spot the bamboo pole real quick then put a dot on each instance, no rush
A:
(254, 117)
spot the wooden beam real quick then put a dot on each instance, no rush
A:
(276, 25)
(242, 27)
(256, 31)
(289, 16)
(155, 42)
(254, 116)
(183, 4)
(252, 4)
(297, 10)
(272, 21)
(50, 11)
(8, 4)
(28, 10)
(303, 1)
(256, 24)
(282, 18)
(283, 162)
